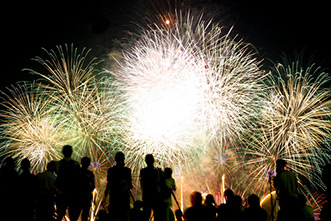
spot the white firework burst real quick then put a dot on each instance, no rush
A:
(186, 82)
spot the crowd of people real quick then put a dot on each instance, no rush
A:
(69, 185)
(66, 184)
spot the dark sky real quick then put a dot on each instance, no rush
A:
(272, 27)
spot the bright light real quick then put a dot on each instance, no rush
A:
(166, 103)
(167, 22)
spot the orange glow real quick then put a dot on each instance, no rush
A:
(267, 196)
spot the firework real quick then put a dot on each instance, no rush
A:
(29, 129)
(67, 106)
(101, 160)
(185, 84)
(294, 125)
(88, 109)
(218, 167)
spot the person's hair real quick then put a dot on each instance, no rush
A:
(25, 163)
(8, 163)
(167, 172)
(280, 163)
(149, 159)
(228, 193)
(85, 161)
(253, 200)
(237, 201)
(209, 199)
(196, 198)
(119, 157)
(67, 150)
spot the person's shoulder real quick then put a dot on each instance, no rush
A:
(142, 170)
(158, 170)
(75, 162)
(127, 168)
(188, 210)
(112, 170)
(222, 206)
(289, 173)
(262, 211)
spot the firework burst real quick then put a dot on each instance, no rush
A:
(88, 109)
(184, 83)
(294, 125)
(29, 129)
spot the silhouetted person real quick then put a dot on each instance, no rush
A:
(225, 209)
(211, 210)
(87, 185)
(46, 193)
(306, 213)
(119, 183)
(27, 190)
(286, 185)
(197, 211)
(170, 187)
(137, 213)
(254, 212)
(66, 183)
(153, 184)
(237, 209)
(326, 210)
(8, 188)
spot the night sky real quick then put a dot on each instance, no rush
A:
(272, 27)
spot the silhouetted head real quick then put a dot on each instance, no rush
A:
(67, 151)
(254, 200)
(51, 166)
(167, 172)
(8, 164)
(149, 159)
(119, 158)
(237, 201)
(85, 161)
(25, 164)
(196, 198)
(209, 200)
(280, 164)
(228, 194)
